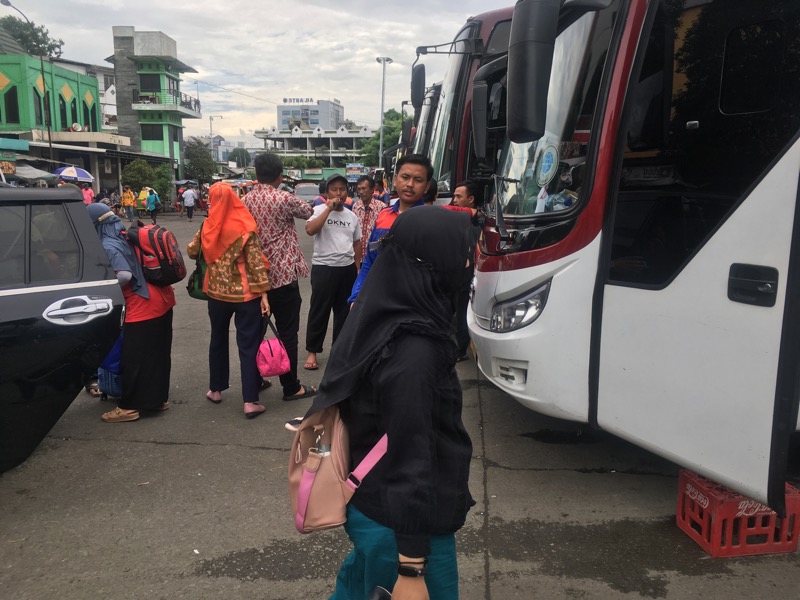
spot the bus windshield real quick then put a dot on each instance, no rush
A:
(422, 136)
(444, 123)
(546, 176)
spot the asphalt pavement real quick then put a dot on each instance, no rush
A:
(192, 503)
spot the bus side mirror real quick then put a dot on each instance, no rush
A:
(417, 86)
(482, 83)
(530, 58)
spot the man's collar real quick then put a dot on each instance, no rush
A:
(396, 206)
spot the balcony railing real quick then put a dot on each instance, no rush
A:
(168, 97)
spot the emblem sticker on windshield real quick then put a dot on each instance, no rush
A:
(548, 166)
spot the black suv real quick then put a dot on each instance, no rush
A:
(61, 310)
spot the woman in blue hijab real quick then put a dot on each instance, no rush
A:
(147, 342)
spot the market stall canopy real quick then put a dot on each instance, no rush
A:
(29, 173)
(74, 174)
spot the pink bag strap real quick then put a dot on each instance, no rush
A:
(303, 495)
(365, 466)
(266, 323)
(353, 480)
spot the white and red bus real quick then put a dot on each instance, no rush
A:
(444, 115)
(640, 267)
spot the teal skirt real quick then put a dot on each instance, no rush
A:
(373, 561)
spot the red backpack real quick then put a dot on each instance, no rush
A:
(159, 253)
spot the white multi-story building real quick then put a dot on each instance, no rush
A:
(334, 146)
(304, 113)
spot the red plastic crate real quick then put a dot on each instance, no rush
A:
(725, 523)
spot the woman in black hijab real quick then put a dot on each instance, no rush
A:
(392, 371)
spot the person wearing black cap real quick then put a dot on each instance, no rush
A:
(337, 251)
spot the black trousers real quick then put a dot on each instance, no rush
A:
(247, 319)
(146, 363)
(330, 289)
(284, 304)
(190, 211)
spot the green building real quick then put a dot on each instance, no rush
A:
(150, 104)
(72, 97)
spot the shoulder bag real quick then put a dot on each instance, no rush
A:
(195, 283)
(320, 483)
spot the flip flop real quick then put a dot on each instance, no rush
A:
(293, 424)
(93, 389)
(310, 391)
(311, 366)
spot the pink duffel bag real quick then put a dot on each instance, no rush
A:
(272, 359)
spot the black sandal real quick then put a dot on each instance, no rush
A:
(309, 392)
(93, 388)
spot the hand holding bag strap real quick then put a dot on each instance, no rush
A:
(267, 323)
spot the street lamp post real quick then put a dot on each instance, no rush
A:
(46, 96)
(383, 60)
(210, 130)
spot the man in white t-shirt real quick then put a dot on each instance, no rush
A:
(337, 251)
(189, 198)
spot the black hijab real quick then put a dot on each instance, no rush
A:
(411, 287)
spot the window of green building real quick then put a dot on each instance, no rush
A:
(152, 133)
(74, 110)
(62, 112)
(11, 102)
(38, 114)
(150, 83)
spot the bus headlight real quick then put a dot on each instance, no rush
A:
(513, 314)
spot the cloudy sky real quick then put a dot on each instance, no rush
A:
(261, 51)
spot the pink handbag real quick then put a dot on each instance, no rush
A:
(320, 483)
(272, 359)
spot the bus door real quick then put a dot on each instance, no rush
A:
(694, 339)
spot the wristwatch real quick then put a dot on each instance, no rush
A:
(405, 570)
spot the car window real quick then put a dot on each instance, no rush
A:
(55, 253)
(12, 245)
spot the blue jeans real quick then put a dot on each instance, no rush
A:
(373, 561)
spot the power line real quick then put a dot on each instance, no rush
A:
(219, 87)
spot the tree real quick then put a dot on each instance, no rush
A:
(240, 156)
(138, 174)
(295, 162)
(35, 39)
(392, 125)
(199, 164)
(162, 181)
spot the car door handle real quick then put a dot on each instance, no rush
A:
(753, 284)
(77, 309)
